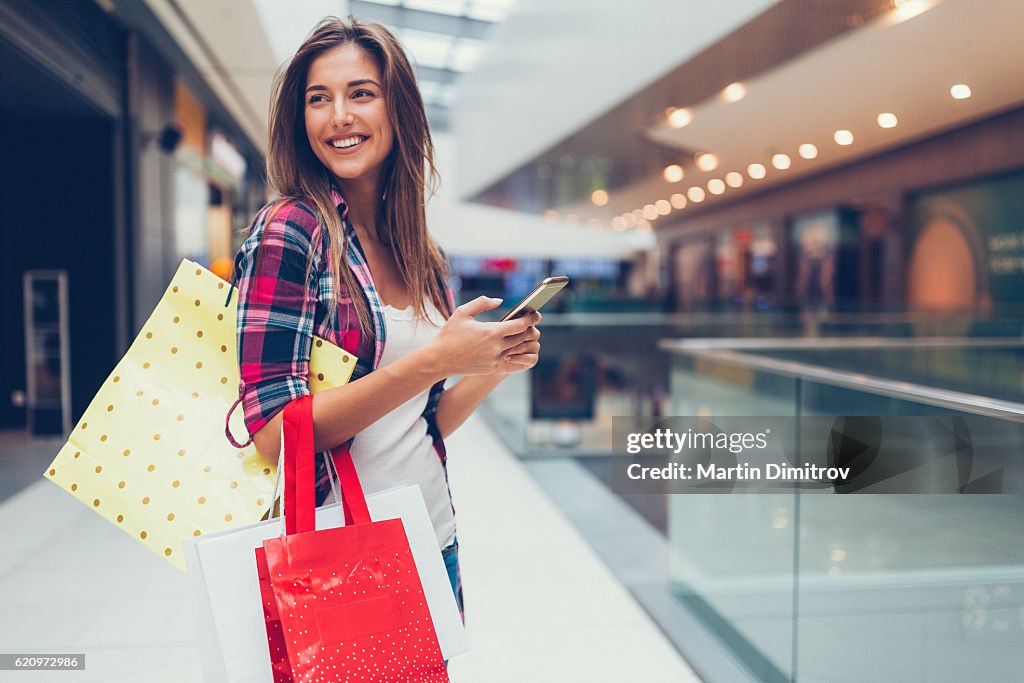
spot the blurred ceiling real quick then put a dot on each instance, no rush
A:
(243, 42)
(809, 69)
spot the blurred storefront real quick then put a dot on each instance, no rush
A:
(120, 164)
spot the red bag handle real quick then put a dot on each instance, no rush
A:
(352, 497)
(299, 472)
(299, 493)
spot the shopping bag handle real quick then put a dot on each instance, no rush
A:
(352, 497)
(299, 489)
(299, 472)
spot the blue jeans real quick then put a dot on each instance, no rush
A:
(451, 563)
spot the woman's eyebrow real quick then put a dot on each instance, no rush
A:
(351, 84)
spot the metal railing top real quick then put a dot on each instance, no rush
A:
(725, 351)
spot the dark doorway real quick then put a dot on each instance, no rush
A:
(57, 193)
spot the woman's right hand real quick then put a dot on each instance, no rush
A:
(466, 346)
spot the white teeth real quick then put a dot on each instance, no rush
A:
(347, 142)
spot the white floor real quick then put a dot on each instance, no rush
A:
(541, 607)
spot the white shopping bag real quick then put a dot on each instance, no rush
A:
(226, 591)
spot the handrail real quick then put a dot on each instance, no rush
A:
(717, 349)
(726, 318)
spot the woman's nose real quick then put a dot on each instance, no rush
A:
(342, 113)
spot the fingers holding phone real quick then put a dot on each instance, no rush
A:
(524, 353)
(467, 346)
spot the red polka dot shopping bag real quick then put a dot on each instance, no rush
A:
(349, 600)
(149, 453)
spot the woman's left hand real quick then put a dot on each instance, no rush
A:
(525, 353)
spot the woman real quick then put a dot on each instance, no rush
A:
(346, 256)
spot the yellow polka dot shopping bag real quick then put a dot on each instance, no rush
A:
(150, 454)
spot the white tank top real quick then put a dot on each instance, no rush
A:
(396, 449)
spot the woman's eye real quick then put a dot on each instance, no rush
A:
(316, 99)
(363, 93)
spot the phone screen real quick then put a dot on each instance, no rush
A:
(541, 294)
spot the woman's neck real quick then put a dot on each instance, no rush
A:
(363, 199)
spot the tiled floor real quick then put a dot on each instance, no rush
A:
(541, 607)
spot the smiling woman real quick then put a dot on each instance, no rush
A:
(347, 119)
(345, 255)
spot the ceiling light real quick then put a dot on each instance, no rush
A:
(599, 197)
(707, 162)
(887, 120)
(734, 179)
(734, 92)
(696, 194)
(781, 161)
(678, 201)
(629, 219)
(619, 223)
(663, 207)
(638, 213)
(756, 171)
(808, 151)
(960, 91)
(843, 137)
(678, 118)
(673, 173)
(908, 9)
(716, 186)
(650, 213)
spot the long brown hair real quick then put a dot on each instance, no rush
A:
(294, 170)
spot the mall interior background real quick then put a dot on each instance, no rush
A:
(766, 208)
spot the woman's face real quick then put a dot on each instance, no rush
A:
(346, 117)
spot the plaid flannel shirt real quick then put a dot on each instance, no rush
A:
(280, 309)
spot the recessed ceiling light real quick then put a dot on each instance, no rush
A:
(960, 91)
(619, 223)
(650, 213)
(663, 207)
(843, 137)
(734, 179)
(678, 201)
(781, 161)
(638, 213)
(673, 173)
(756, 171)
(599, 197)
(629, 219)
(734, 92)
(887, 120)
(908, 9)
(696, 194)
(716, 186)
(808, 151)
(678, 118)
(707, 162)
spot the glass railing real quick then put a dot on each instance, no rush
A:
(595, 366)
(896, 587)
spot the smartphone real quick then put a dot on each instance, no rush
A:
(541, 294)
